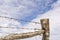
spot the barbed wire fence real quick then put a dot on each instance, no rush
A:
(45, 30)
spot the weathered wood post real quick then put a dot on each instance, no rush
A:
(45, 27)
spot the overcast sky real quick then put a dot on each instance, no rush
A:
(30, 10)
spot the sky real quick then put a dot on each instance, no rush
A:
(29, 10)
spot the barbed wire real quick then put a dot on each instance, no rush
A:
(20, 20)
(20, 28)
(36, 29)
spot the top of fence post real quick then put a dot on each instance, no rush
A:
(45, 27)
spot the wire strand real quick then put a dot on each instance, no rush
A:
(20, 20)
(20, 28)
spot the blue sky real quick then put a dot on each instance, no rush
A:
(30, 10)
(39, 7)
(25, 9)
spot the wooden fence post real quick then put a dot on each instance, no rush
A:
(45, 27)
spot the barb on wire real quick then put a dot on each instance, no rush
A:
(20, 20)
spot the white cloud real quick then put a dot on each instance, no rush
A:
(16, 8)
(56, 5)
